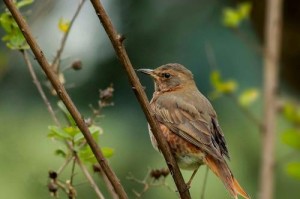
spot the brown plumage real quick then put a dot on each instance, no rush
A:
(189, 124)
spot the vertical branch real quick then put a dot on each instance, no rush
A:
(272, 52)
(117, 42)
(63, 95)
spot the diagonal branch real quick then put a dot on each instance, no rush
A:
(89, 177)
(116, 41)
(62, 93)
(39, 87)
(57, 58)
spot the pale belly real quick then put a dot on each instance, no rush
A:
(189, 162)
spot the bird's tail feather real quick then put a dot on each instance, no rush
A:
(221, 169)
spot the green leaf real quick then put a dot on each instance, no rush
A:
(244, 9)
(6, 21)
(293, 169)
(107, 152)
(291, 112)
(215, 78)
(23, 3)
(60, 152)
(221, 86)
(64, 109)
(248, 96)
(14, 38)
(291, 138)
(87, 155)
(229, 86)
(233, 17)
(95, 131)
(72, 130)
(58, 133)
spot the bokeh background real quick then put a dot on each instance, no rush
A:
(157, 32)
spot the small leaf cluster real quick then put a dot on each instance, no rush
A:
(13, 37)
(72, 134)
(221, 86)
(291, 136)
(230, 87)
(74, 147)
(233, 17)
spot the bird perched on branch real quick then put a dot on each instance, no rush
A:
(189, 124)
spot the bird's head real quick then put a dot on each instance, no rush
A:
(170, 77)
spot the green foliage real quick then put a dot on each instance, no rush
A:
(291, 138)
(87, 155)
(221, 86)
(291, 112)
(64, 109)
(72, 134)
(293, 169)
(23, 3)
(14, 38)
(248, 96)
(60, 152)
(233, 17)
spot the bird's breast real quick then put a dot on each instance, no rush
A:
(187, 155)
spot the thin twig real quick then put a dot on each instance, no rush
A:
(110, 189)
(117, 42)
(63, 95)
(89, 177)
(148, 182)
(57, 58)
(39, 87)
(62, 167)
(271, 68)
(73, 170)
(204, 183)
(212, 61)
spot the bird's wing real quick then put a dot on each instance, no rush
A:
(196, 124)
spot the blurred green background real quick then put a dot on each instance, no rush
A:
(157, 32)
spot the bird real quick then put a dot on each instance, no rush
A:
(189, 124)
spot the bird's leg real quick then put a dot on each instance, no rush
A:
(188, 184)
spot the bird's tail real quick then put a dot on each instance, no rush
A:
(221, 169)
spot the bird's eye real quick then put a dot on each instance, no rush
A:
(166, 75)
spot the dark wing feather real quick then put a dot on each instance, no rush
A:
(219, 137)
(196, 123)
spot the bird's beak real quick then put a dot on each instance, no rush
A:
(146, 71)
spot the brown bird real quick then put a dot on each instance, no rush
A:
(189, 124)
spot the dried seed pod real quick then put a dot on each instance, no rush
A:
(77, 65)
(52, 175)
